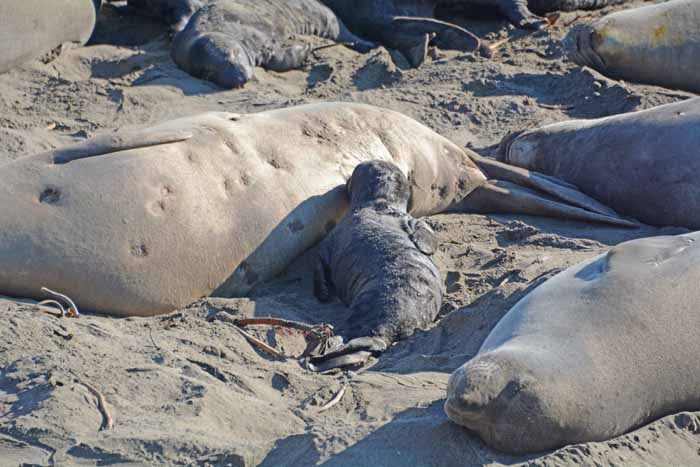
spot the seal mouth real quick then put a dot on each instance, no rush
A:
(503, 152)
(580, 45)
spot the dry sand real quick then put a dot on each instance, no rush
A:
(185, 390)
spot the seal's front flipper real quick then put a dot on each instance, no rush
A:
(518, 13)
(421, 234)
(552, 186)
(121, 141)
(287, 58)
(355, 353)
(323, 285)
(501, 197)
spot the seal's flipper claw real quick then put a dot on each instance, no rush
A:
(113, 142)
(502, 197)
(355, 352)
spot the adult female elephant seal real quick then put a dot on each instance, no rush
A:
(31, 28)
(642, 164)
(219, 202)
(600, 349)
(655, 44)
(377, 260)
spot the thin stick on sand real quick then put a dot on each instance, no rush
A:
(258, 343)
(51, 307)
(72, 307)
(107, 421)
(337, 398)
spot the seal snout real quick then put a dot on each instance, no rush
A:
(472, 389)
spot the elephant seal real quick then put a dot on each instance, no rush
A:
(225, 40)
(654, 44)
(144, 222)
(600, 349)
(31, 28)
(377, 261)
(642, 164)
(409, 25)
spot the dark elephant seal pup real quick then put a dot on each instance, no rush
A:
(654, 44)
(642, 164)
(225, 40)
(377, 261)
(31, 28)
(600, 349)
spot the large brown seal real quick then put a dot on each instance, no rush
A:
(143, 222)
(642, 164)
(377, 261)
(654, 44)
(600, 349)
(31, 28)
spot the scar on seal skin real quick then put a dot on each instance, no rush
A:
(377, 261)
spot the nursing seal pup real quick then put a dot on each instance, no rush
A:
(377, 261)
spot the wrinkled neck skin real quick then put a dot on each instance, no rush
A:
(581, 44)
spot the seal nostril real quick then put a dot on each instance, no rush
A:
(50, 195)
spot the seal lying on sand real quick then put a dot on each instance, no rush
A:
(31, 28)
(143, 222)
(654, 44)
(642, 164)
(600, 349)
(224, 40)
(377, 261)
(404, 24)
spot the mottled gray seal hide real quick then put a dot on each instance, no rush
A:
(31, 28)
(409, 25)
(377, 261)
(226, 39)
(604, 347)
(642, 164)
(654, 44)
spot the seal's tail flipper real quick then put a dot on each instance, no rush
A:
(552, 186)
(114, 142)
(407, 33)
(503, 197)
(356, 352)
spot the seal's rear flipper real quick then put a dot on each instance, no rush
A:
(502, 197)
(355, 352)
(552, 186)
(114, 142)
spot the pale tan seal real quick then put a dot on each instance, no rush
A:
(31, 28)
(219, 202)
